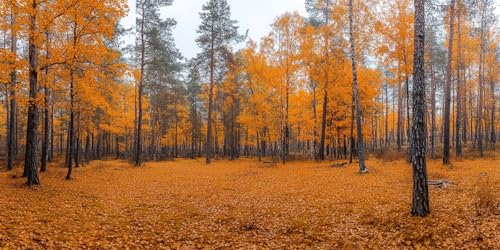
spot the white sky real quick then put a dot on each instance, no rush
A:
(255, 15)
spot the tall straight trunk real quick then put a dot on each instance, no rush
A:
(46, 124)
(321, 152)
(493, 110)
(386, 120)
(433, 107)
(193, 136)
(458, 119)
(259, 151)
(208, 147)
(479, 123)
(78, 141)
(420, 206)
(408, 125)
(138, 142)
(31, 154)
(176, 153)
(315, 152)
(361, 147)
(87, 147)
(286, 132)
(447, 91)
(12, 126)
(327, 14)
(51, 150)
(71, 129)
(71, 142)
(351, 151)
(400, 111)
(464, 103)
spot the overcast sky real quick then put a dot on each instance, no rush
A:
(254, 15)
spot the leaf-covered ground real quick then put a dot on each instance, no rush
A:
(246, 204)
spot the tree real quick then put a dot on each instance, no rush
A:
(193, 92)
(12, 124)
(447, 91)
(217, 32)
(458, 120)
(31, 154)
(420, 205)
(285, 30)
(355, 90)
(147, 21)
(320, 11)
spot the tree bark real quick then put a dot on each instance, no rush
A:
(420, 205)
(31, 154)
(361, 147)
(458, 119)
(46, 124)
(447, 91)
(12, 126)
(208, 147)
(138, 142)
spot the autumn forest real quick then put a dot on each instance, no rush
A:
(351, 124)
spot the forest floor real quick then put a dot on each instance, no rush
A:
(186, 204)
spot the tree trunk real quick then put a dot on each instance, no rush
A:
(31, 154)
(138, 142)
(208, 147)
(352, 146)
(361, 147)
(420, 205)
(71, 136)
(12, 126)
(447, 91)
(433, 107)
(46, 124)
(479, 123)
(458, 119)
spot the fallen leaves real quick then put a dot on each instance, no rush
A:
(238, 204)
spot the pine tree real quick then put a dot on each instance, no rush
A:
(420, 205)
(147, 22)
(217, 32)
(447, 90)
(31, 154)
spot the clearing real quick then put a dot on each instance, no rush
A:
(246, 204)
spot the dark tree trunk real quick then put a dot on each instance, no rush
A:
(78, 142)
(71, 129)
(458, 120)
(138, 142)
(327, 15)
(479, 123)
(208, 147)
(31, 154)
(12, 126)
(321, 152)
(46, 124)
(400, 111)
(71, 142)
(351, 137)
(420, 205)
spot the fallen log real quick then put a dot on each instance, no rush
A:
(439, 183)
(339, 165)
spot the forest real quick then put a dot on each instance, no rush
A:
(354, 124)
